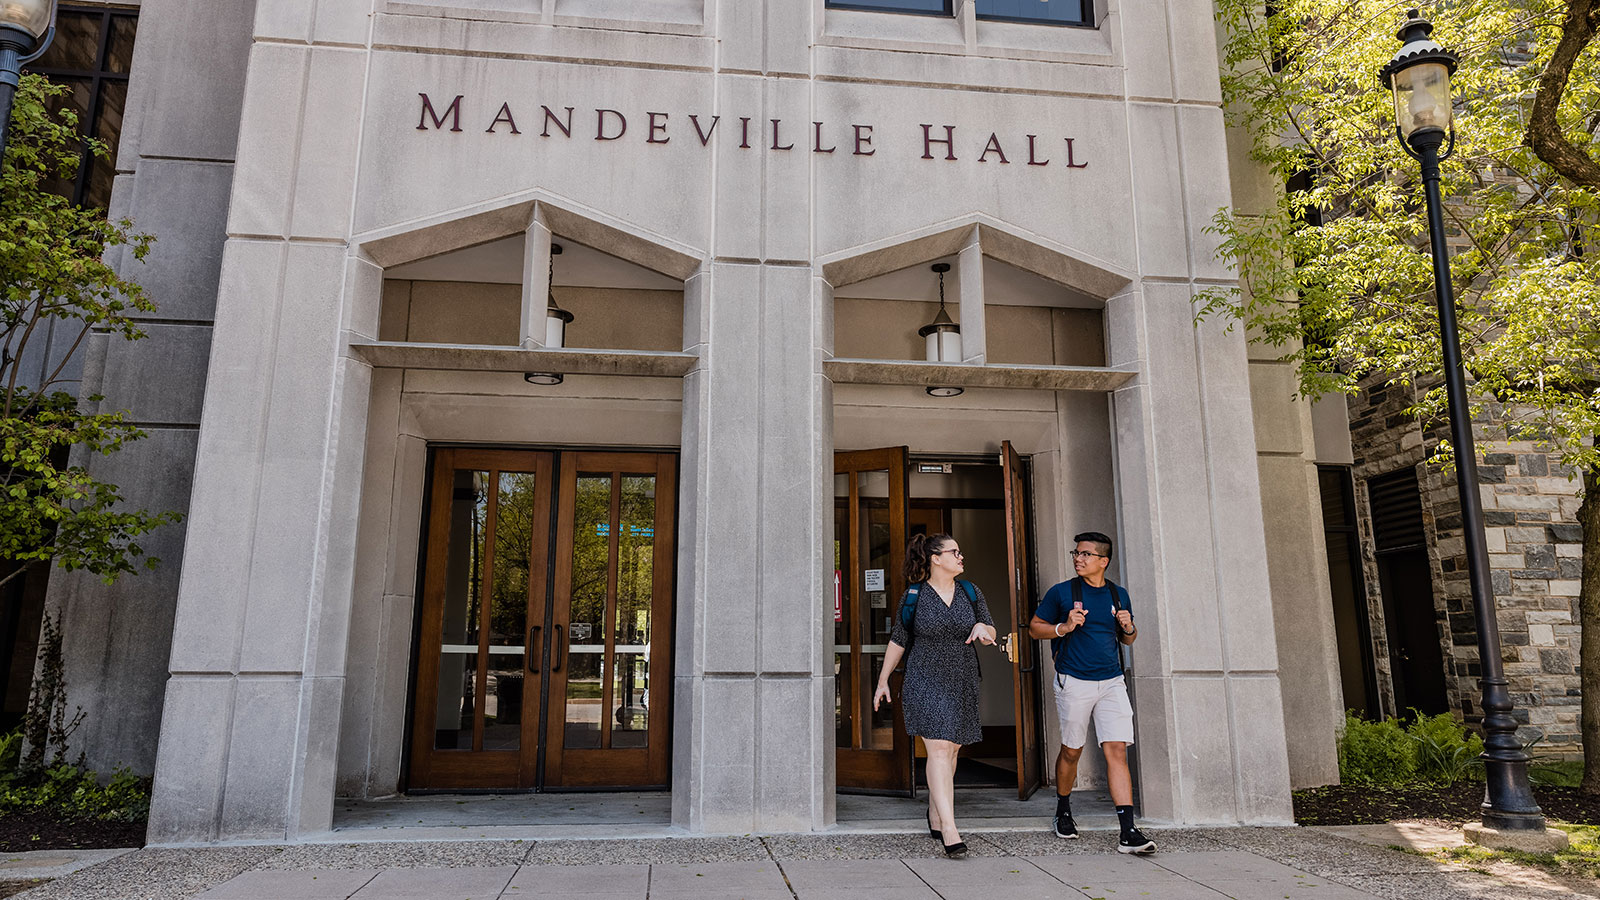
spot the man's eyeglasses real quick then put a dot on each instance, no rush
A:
(948, 550)
(1085, 554)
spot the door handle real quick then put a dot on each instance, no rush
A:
(532, 654)
(560, 650)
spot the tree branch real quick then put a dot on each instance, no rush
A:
(1544, 132)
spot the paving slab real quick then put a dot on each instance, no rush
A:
(566, 881)
(1213, 865)
(437, 884)
(1103, 875)
(1304, 888)
(841, 874)
(991, 872)
(292, 885)
(717, 876)
(1458, 885)
(1324, 852)
(918, 892)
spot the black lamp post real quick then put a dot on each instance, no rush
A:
(26, 28)
(1420, 77)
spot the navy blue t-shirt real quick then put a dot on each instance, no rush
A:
(1091, 649)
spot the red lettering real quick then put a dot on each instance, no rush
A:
(775, 137)
(993, 147)
(1032, 159)
(863, 139)
(744, 132)
(504, 116)
(816, 145)
(705, 136)
(453, 111)
(949, 141)
(1070, 163)
(654, 128)
(550, 119)
(600, 125)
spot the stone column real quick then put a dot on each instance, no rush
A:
(753, 743)
(249, 731)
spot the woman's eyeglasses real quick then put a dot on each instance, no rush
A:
(948, 550)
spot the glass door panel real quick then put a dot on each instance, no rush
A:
(477, 703)
(613, 602)
(869, 544)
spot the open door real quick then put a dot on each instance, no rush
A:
(1025, 657)
(869, 546)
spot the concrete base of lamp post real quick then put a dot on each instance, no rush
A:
(1550, 840)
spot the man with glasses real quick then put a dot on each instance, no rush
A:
(1085, 620)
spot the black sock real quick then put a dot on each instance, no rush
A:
(1063, 804)
(1125, 816)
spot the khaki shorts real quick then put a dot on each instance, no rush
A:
(1105, 702)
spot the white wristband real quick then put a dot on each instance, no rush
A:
(1058, 628)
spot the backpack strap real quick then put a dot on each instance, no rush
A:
(908, 613)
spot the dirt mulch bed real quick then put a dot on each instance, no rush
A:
(1358, 804)
(36, 832)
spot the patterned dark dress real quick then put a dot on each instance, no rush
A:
(940, 693)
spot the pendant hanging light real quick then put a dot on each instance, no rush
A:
(943, 337)
(555, 324)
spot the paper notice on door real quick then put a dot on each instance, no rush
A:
(875, 580)
(880, 599)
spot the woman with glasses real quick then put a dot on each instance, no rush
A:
(941, 619)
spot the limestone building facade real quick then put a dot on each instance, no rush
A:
(544, 385)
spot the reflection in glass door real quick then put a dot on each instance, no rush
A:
(613, 590)
(518, 629)
(869, 557)
(477, 699)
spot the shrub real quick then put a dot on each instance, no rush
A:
(1446, 752)
(69, 791)
(1375, 752)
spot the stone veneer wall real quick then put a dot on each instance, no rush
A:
(1530, 504)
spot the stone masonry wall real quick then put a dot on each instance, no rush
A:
(1530, 504)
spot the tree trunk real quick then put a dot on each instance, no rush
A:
(1589, 623)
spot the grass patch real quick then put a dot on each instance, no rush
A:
(1581, 859)
(1556, 773)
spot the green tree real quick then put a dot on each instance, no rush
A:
(1339, 275)
(53, 279)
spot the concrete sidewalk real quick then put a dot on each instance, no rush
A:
(1242, 863)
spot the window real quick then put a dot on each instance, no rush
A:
(920, 7)
(1053, 12)
(92, 52)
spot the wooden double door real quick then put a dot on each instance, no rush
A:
(545, 642)
(871, 527)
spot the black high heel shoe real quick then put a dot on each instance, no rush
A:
(958, 850)
(934, 832)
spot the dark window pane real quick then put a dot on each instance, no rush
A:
(78, 102)
(119, 55)
(107, 128)
(77, 43)
(1063, 12)
(934, 7)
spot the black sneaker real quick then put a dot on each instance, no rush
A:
(1134, 841)
(1065, 828)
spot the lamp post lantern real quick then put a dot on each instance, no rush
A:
(1419, 74)
(26, 28)
(943, 338)
(555, 325)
